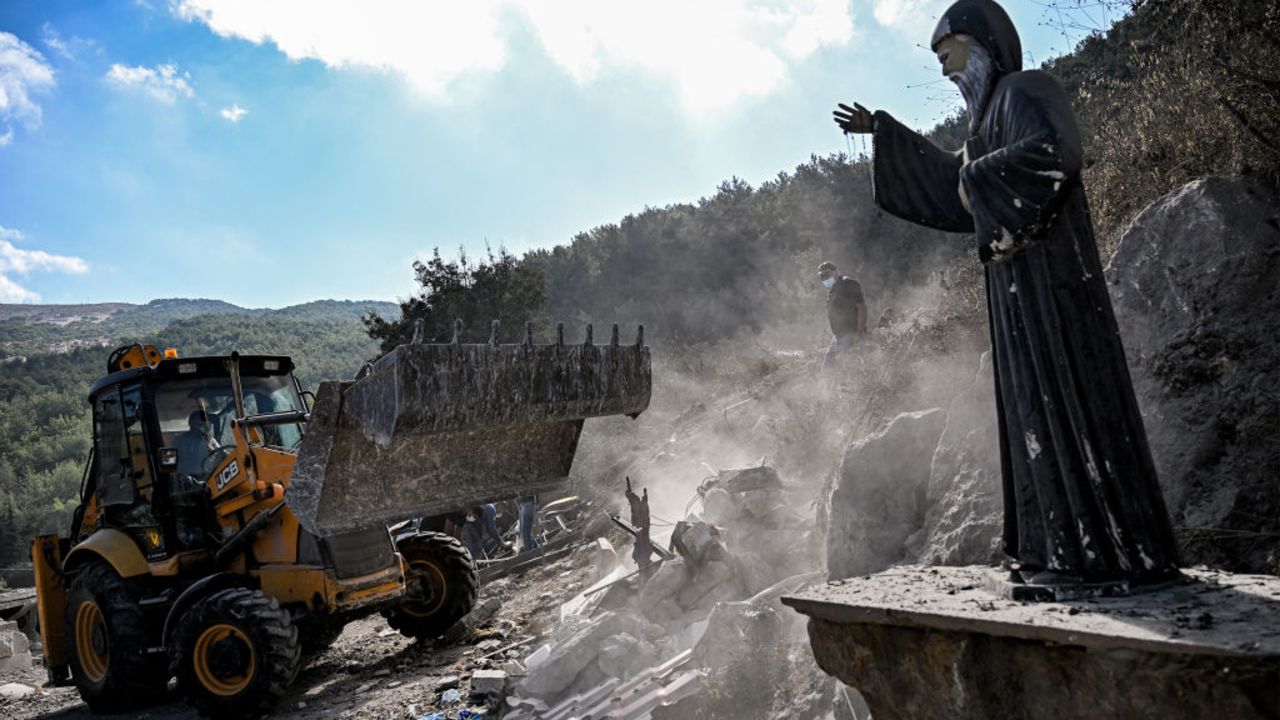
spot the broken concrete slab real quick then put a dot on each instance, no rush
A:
(489, 682)
(664, 584)
(567, 658)
(697, 542)
(1209, 647)
(763, 477)
(15, 649)
(622, 655)
(710, 583)
(14, 691)
(603, 557)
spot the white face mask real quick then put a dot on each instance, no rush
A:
(829, 283)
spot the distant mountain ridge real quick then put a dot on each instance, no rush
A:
(27, 329)
(165, 309)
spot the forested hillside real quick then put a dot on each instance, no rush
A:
(44, 417)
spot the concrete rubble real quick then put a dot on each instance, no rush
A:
(15, 649)
(681, 630)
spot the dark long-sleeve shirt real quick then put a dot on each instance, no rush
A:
(843, 300)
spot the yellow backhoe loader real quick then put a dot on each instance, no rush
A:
(229, 522)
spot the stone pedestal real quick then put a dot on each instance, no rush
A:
(922, 642)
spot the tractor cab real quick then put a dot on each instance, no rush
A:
(166, 441)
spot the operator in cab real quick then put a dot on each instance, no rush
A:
(195, 446)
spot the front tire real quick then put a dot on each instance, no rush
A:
(237, 653)
(442, 586)
(108, 642)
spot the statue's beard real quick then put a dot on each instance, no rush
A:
(975, 82)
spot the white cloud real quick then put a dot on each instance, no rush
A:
(70, 48)
(15, 260)
(714, 52)
(23, 71)
(913, 16)
(233, 113)
(163, 82)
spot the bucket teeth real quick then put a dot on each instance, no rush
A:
(419, 329)
(560, 334)
(640, 336)
(613, 336)
(457, 331)
(528, 334)
(493, 333)
(588, 340)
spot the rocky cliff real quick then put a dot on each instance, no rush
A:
(1195, 282)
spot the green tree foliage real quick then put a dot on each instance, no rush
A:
(499, 287)
(1178, 89)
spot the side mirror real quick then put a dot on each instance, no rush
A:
(167, 459)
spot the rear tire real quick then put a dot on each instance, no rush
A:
(442, 586)
(108, 641)
(237, 653)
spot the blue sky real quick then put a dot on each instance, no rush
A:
(268, 153)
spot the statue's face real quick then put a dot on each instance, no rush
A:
(953, 55)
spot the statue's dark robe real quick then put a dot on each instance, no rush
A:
(1080, 489)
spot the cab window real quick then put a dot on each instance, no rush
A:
(131, 405)
(114, 469)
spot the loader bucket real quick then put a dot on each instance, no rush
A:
(435, 428)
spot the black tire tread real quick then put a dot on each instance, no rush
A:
(133, 678)
(460, 573)
(263, 620)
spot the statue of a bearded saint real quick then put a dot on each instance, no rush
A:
(1081, 501)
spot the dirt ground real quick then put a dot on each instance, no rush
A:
(371, 671)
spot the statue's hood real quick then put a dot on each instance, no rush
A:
(990, 25)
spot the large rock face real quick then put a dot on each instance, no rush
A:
(1195, 283)
(879, 498)
(964, 513)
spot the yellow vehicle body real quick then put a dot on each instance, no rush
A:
(245, 489)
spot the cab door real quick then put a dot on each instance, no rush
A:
(125, 478)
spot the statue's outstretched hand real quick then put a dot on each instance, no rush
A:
(856, 119)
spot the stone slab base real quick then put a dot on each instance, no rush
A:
(933, 643)
(998, 582)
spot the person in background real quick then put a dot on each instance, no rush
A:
(528, 512)
(480, 531)
(846, 311)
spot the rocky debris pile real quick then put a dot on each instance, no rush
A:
(663, 636)
(754, 508)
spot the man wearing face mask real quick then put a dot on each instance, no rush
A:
(1081, 501)
(846, 311)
